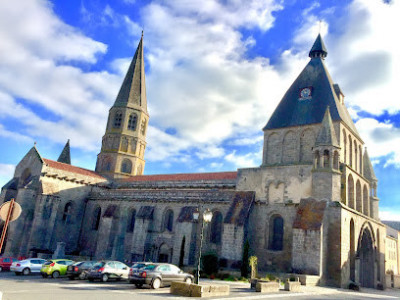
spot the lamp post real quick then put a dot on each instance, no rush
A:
(207, 216)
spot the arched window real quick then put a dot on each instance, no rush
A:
(276, 233)
(352, 252)
(307, 142)
(316, 159)
(169, 220)
(216, 228)
(132, 122)
(350, 152)
(107, 164)
(131, 221)
(358, 197)
(360, 154)
(26, 177)
(126, 166)
(350, 192)
(345, 146)
(326, 159)
(96, 218)
(289, 152)
(66, 218)
(273, 149)
(336, 160)
(355, 156)
(365, 201)
(118, 120)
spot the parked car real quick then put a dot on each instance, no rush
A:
(79, 269)
(55, 267)
(27, 266)
(136, 266)
(105, 270)
(5, 263)
(157, 275)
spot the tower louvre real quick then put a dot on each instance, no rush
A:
(124, 142)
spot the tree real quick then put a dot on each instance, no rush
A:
(244, 269)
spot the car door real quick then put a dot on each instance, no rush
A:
(123, 270)
(166, 274)
(110, 269)
(176, 273)
(35, 265)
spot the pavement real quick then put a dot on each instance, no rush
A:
(35, 287)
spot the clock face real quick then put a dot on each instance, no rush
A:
(305, 93)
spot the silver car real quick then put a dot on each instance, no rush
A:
(105, 270)
(27, 266)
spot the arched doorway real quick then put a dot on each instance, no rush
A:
(367, 262)
(164, 254)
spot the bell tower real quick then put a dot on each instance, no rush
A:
(124, 142)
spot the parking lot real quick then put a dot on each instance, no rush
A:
(36, 287)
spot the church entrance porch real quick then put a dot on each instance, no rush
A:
(366, 258)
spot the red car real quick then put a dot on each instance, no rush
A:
(5, 263)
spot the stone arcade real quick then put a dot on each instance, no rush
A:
(310, 208)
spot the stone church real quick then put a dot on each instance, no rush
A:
(310, 208)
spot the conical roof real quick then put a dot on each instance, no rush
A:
(65, 156)
(133, 89)
(318, 49)
(327, 135)
(368, 170)
(307, 99)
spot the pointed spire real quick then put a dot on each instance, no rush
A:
(327, 135)
(318, 49)
(65, 156)
(133, 89)
(368, 170)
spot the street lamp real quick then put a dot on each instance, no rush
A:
(207, 216)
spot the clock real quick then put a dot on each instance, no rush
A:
(305, 93)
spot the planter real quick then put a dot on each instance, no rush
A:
(267, 286)
(292, 286)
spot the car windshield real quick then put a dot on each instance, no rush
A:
(99, 265)
(138, 266)
(149, 267)
(47, 263)
(78, 263)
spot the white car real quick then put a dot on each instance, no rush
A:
(27, 266)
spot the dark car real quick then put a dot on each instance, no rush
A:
(105, 270)
(5, 263)
(157, 275)
(80, 269)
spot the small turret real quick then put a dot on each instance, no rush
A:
(318, 49)
(65, 156)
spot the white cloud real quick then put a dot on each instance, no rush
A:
(7, 171)
(33, 59)
(247, 160)
(382, 139)
(389, 215)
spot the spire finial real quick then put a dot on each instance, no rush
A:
(34, 143)
(142, 31)
(319, 29)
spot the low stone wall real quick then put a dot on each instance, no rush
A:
(292, 286)
(196, 290)
(267, 287)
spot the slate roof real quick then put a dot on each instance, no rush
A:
(309, 215)
(65, 156)
(239, 208)
(318, 48)
(133, 89)
(295, 111)
(327, 135)
(70, 168)
(11, 185)
(184, 177)
(368, 169)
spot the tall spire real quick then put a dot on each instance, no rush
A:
(318, 49)
(65, 156)
(133, 89)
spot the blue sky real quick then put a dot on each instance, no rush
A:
(215, 71)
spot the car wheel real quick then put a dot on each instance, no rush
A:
(188, 280)
(104, 278)
(55, 274)
(82, 276)
(156, 283)
(139, 285)
(26, 271)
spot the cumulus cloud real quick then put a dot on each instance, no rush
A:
(35, 59)
(6, 171)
